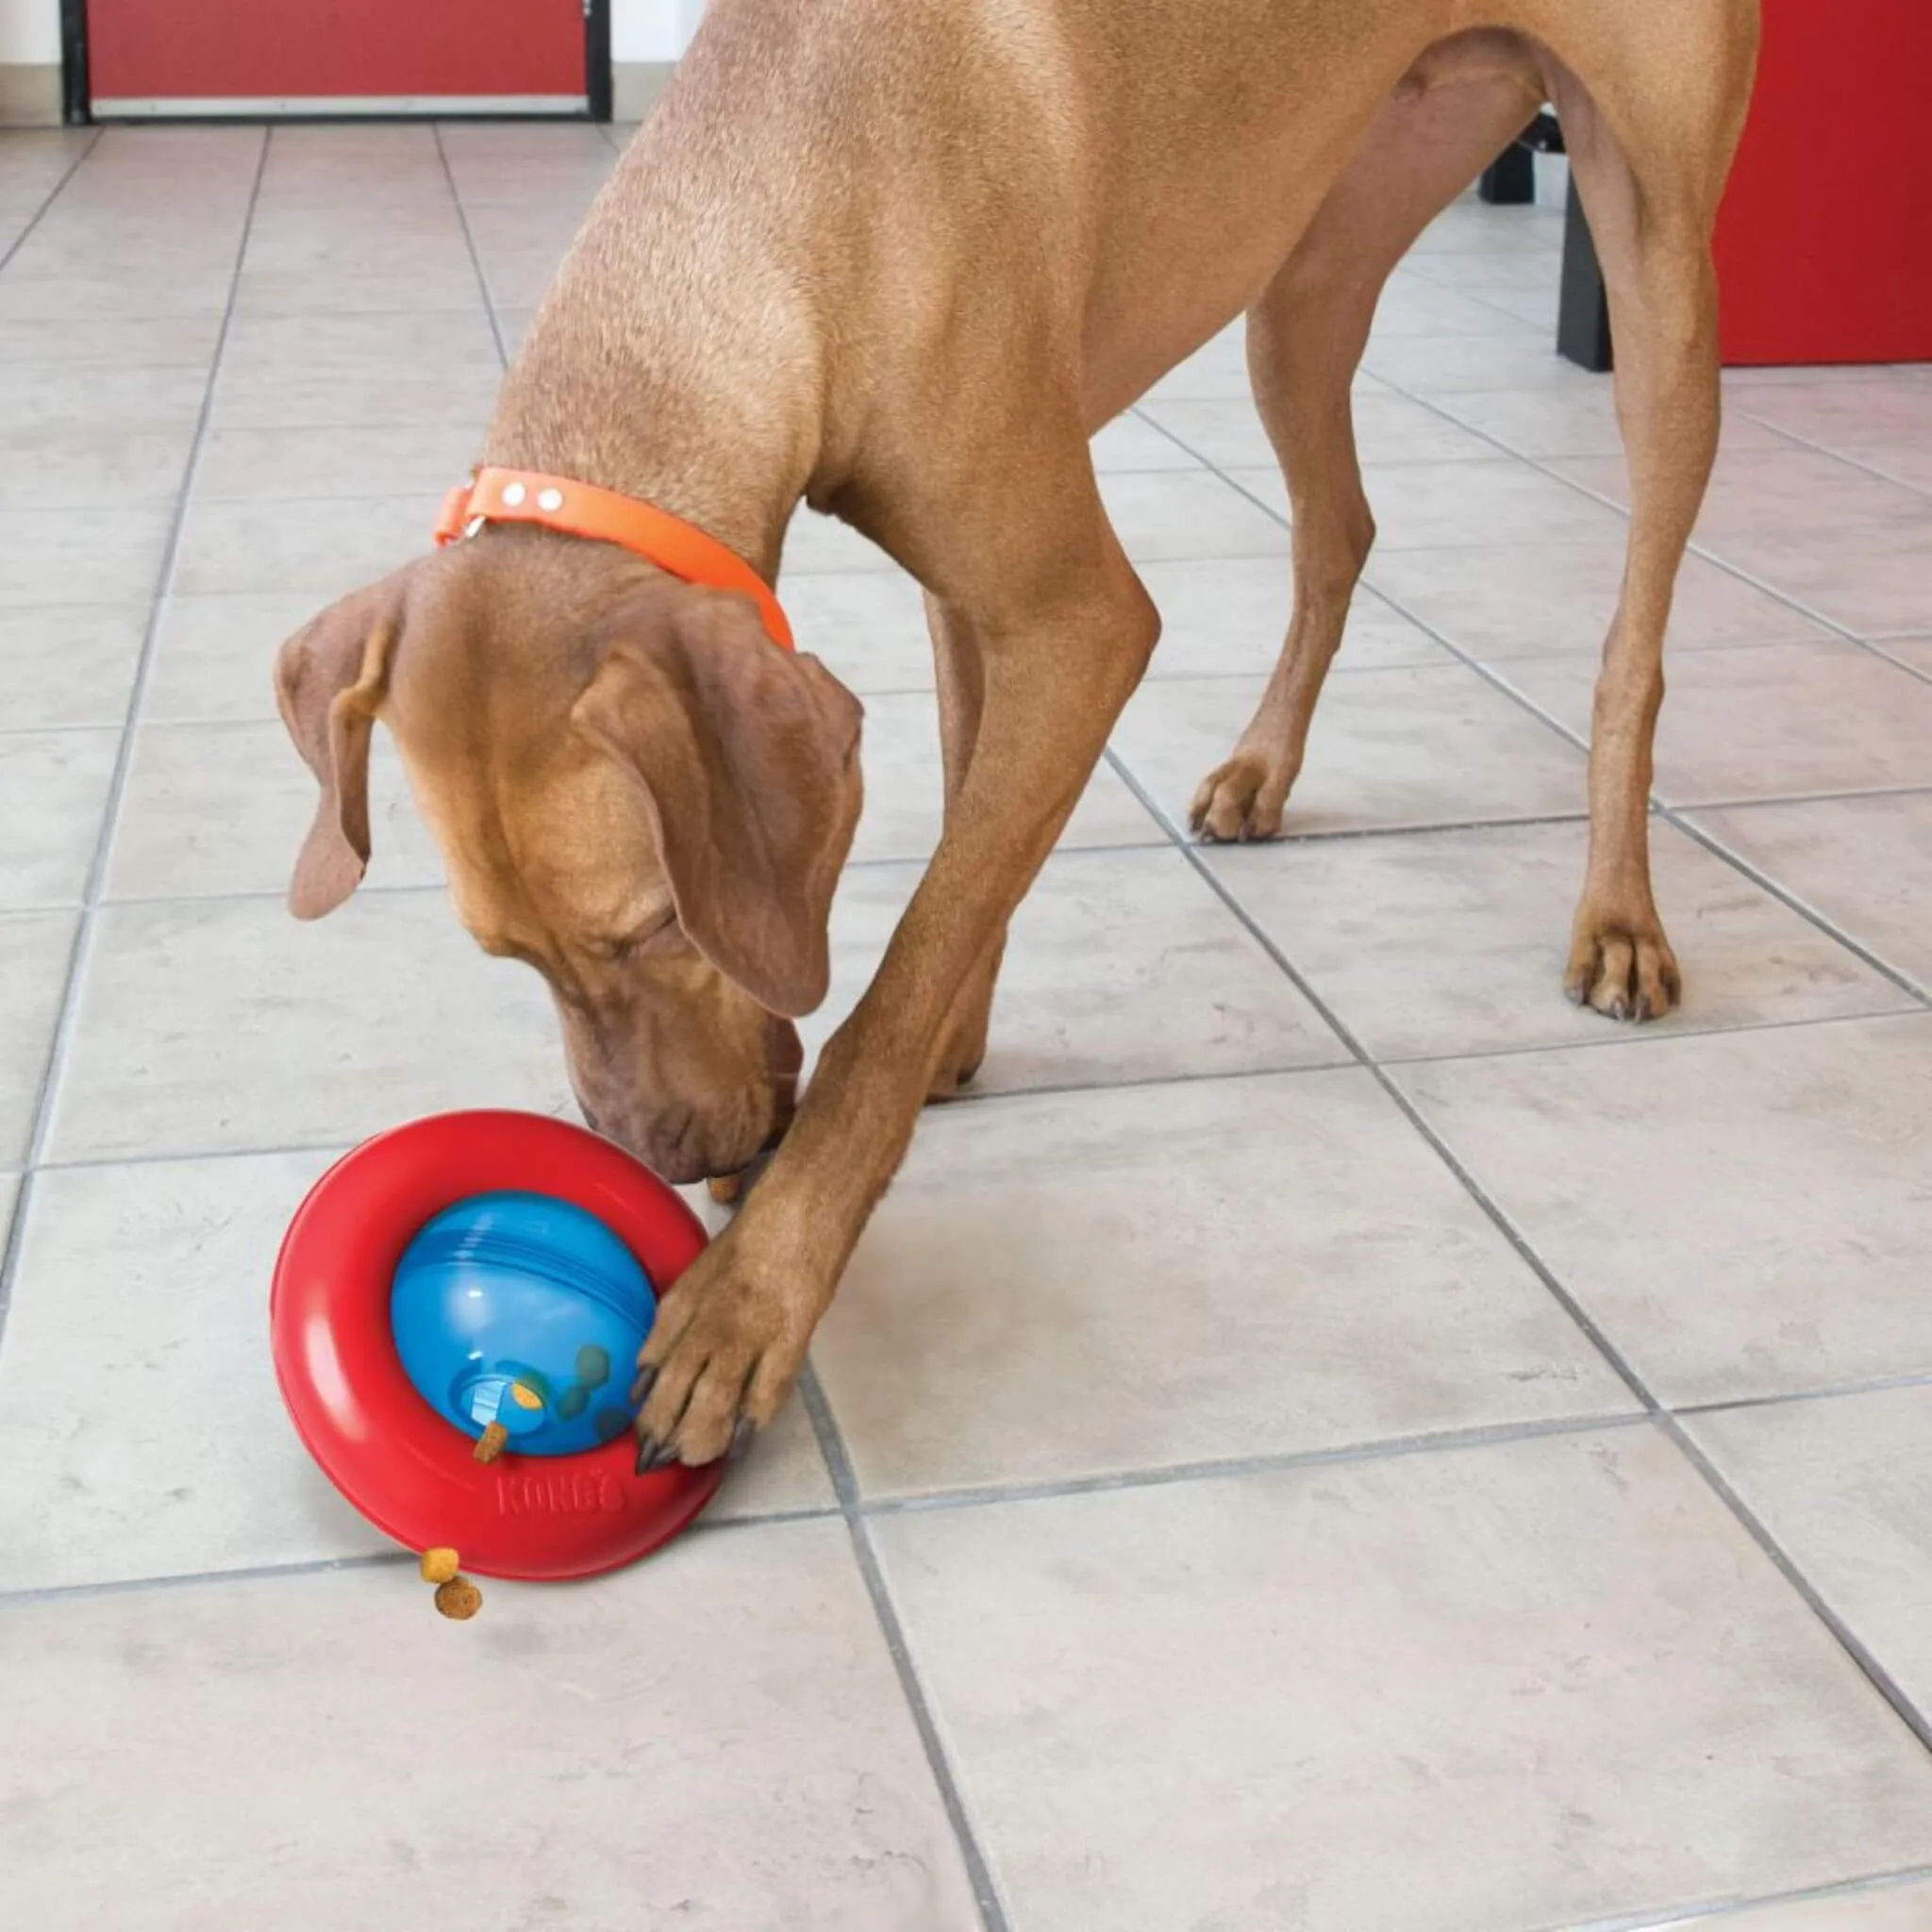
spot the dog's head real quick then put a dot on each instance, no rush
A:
(634, 792)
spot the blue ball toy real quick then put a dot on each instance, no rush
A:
(522, 1309)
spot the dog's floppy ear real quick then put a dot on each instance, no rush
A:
(330, 677)
(748, 757)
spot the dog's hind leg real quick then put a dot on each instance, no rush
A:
(1306, 336)
(1651, 152)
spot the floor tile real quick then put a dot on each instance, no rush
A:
(296, 248)
(1744, 1214)
(1909, 464)
(222, 1026)
(868, 625)
(326, 400)
(35, 948)
(1412, 306)
(1159, 515)
(1216, 370)
(1133, 443)
(222, 809)
(144, 342)
(71, 665)
(1388, 750)
(520, 278)
(1555, 1673)
(814, 543)
(782, 1474)
(1067, 1284)
(736, 1688)
(1227, 432)
(214, 656)
(1841, 409)
(1499, 601)
(101, 466)
(1844, 1485)
(1437, 366)
(82, 556)
(140, 1432)
(1574, 422)
(1229, 616)
(1868, 578)
(1781, 722)
(1123, 966)
(287, 464)
(899, 755)
(315, 288)
(49, 406)
(325, 548)
(431, 346)
(1426, 506)
(1454, 943)
(1890, 1908)
(513, 325)
(85, 298)
(52, 788)
(1863, 864)
(1758, 493)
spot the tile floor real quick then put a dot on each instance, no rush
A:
(1331, 1440)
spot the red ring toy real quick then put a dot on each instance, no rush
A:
(413, 1475)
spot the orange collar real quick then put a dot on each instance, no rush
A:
(583, 509)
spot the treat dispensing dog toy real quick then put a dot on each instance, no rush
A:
(456, 1310)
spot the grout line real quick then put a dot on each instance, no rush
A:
(1115, 1482)
(1825, 449)
(1656, 1032)
(69, 1010)
(1614, 1357)
(1342, 1061)
(53, 194)
(1787, 1566)
(470, 243)
(1545, 467)
(372, 1560)
(1871, 1385)
(832, 1446)
(1716, 1913)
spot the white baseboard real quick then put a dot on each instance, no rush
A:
(31, 96)
(635, 86)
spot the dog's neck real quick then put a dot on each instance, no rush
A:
(675, 359)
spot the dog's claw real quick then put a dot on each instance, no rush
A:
(742, 1431)
(641, 1388)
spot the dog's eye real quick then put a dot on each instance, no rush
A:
(648, 939)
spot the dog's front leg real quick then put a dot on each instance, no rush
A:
(731, 1335)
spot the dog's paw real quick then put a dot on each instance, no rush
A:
(720, 1360)
(1242, 800)
(1623, 968)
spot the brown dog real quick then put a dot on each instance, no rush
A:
(901, 259)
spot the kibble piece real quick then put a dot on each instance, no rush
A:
(490, 1443)
(438, 1566)
(726, 1189)
(459, 1599)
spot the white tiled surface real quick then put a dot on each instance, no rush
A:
(1263, 1544)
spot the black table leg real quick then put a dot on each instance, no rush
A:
(1583, 310)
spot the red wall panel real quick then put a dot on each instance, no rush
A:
(1824, 241)
(198, 49)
